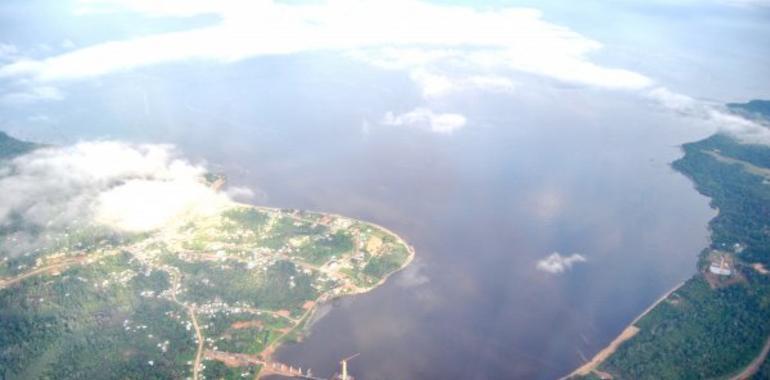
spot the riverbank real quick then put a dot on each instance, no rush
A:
(410, 249)
(299, 328)
(729, 321)
(628, 332)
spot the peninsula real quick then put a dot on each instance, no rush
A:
(203, 298)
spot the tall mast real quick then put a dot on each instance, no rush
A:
(344, 363)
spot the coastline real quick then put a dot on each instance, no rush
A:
(631, 329)
(627, 333)
(410, 249)
(591, 367)
(323, 299)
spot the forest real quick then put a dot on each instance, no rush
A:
(714, 328)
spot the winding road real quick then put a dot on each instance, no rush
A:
(753, 367)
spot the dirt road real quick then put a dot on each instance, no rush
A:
(753, 367)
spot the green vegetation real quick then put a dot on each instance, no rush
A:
(704, 333)
(217, 370)
(248, 218)
(88, 302)
(10, 147)
(764, 371)
(743, 198)
(756, 108)
(713, 327)
(386, 263)
(323, 249)
(246, 333)
(91, 322)
(285, 228)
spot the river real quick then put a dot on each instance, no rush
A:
(557, 169)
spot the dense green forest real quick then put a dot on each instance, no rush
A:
(10, 147)
(713, 327)
(699, 333)
(90, 323)
(758, 108)
(743, 198)
(764, 372)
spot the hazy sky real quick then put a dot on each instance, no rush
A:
(687, 56)
(518, 143)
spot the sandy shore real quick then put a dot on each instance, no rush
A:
(629, 332)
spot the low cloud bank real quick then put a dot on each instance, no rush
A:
(115, 186)
(716, 115)
(500, 38)
(443, 48)
(555, 263)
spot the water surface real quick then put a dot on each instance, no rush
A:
(558, 169)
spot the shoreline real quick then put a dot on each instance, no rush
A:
(627, 333)
(592, 365)
(410, 249)
(304, 326)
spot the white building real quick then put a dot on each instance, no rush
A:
(722, 268)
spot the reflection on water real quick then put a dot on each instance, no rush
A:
(564, 170)
(482, 207)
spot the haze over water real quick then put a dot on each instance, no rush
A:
(542, 162)
(559, 170)
(481, 208)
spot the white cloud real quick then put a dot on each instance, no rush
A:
(433, 85)
(715, 115)
(402, 58)
(41, 119)
(672, 100)
(240, 193)
(747, 3)
(556, 263)
(491, 82)
(143, 205)
(123, 187)
(7, 51)
(68, 44)
(424, 117)
(178, 8)
(436, 85)
(32, 95)
(748, 131)
(402, 33)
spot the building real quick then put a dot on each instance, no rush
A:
(722, 268)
